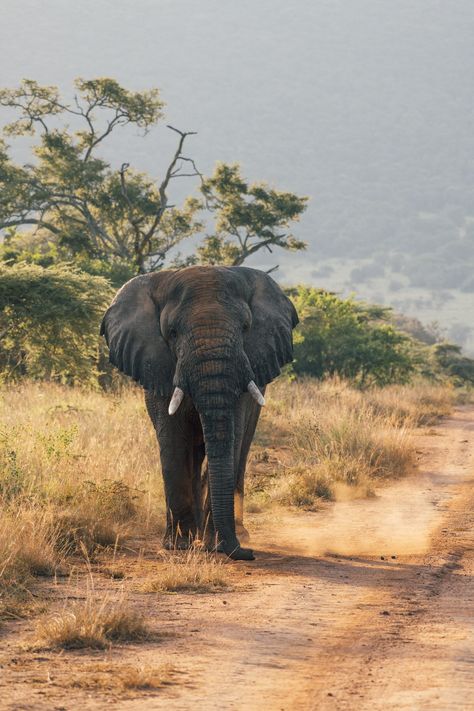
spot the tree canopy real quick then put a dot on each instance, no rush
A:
(248, 217)
(121, 222)
(74, 196)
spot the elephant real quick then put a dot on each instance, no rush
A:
(203, 341)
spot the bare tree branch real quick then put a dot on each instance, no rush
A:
(30, 221)
(251, 250)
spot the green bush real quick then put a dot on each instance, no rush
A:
(449, 358)
(349, 338)
(49, 321)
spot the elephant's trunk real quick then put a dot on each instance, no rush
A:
(218, 433)
(215, 376)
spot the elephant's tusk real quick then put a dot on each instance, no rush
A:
(255, 393)
(175, 401)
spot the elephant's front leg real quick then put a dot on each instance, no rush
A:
(175, 438)
(181, 525)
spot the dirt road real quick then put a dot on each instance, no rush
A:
(367, 605)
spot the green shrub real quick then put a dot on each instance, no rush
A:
(49, 321)
(350, 339)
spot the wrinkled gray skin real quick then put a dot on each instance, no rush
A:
(208, 331)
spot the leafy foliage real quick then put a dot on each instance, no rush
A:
(248, 217)
(43, 250)
(449, 358)
(90, 211)
(119, 222)
(348, 338)
(359, 341)
(49, 320)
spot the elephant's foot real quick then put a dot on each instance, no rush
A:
(235, 553)
(233, 550)
(177, 544)
(179, 541)
(242, 554)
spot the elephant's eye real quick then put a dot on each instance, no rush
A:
(172, 333)
(246, 327)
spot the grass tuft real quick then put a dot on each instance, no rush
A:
(106, 676)
(146, 677)
(94, 623)
(189, 571)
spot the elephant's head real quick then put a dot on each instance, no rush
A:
(207, 332)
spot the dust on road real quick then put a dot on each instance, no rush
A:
(368, 605)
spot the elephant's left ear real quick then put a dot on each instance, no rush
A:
(131, 327)
(269, 342)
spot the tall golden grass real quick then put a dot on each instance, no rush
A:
(79, 469)
(341, 438)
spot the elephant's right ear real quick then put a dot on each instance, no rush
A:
(131, 327)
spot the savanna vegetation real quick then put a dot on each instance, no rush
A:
(50, 317)
(79, 466)
(80, 476)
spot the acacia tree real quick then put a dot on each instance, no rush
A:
(248, 217)
(77, 202)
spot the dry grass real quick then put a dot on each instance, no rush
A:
(107, 676)
(416, 404)
(83, 450)
(93, 623)
(98, 515)
(342, 440)
(145, 678)
(419, 404)
(79, 469)
(191, 571)
(27, 548)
